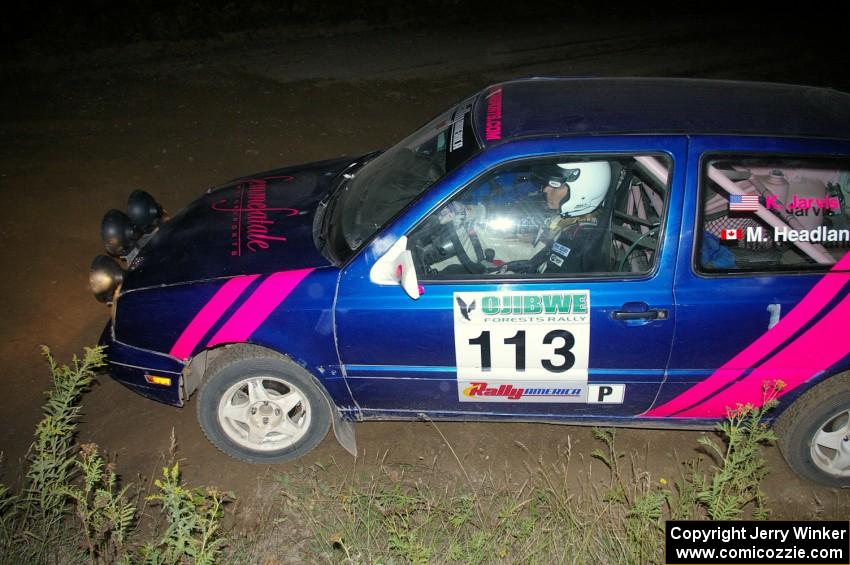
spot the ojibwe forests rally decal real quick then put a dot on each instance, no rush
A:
(253, 222)
(525, 347)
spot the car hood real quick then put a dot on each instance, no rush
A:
(253, 225)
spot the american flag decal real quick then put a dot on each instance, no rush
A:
(743, 202)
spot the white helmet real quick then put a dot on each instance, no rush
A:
(588, 182)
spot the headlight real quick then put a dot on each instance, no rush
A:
(105, 276)
(118, 233)
(144, 211)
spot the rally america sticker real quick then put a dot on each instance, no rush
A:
(542, 338)
(540, 391)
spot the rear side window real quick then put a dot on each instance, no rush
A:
(773, 214)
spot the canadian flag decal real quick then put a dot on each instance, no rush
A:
(731, 235)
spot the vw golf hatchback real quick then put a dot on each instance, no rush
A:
(634, 252)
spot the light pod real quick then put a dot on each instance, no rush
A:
(118, 233)
(105, 276)
(144, 211)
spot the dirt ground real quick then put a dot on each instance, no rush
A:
(79, 132)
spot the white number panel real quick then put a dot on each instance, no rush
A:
(522, 336)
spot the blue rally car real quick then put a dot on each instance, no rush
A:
(636, 252)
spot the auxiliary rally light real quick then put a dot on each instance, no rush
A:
(144, 212)
(105, 276)
(118, 233)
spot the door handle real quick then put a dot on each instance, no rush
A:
(652, 314)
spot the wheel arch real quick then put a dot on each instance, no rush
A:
(195, 372)
(787, 401)
(804, 416)
(815, 386)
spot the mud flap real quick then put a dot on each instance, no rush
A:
(344, 431)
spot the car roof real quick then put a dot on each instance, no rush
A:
(570, 106)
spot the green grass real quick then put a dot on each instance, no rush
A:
(563, 511)
(72, 509)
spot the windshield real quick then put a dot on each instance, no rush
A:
(384, 186)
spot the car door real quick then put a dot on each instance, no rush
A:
(543, 343)
(756, 309)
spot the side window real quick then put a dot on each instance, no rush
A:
(549, 217)
(773, 214)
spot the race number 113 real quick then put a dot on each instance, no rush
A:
(522, 335)
(518, 342)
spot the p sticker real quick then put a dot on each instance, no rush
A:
(606, 394)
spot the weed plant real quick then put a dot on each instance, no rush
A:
(71, 509)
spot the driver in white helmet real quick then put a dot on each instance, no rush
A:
(573, 238)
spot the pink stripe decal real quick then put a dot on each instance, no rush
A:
(826, 343)
(209, 315)
(818, 297)
(258, 307)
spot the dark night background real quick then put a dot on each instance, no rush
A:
(54, 27)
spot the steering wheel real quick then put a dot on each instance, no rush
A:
(439, 241)
(466, 245)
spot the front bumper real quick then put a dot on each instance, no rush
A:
(131, 365)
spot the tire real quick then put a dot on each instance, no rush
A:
(814, 433)
(261, 407)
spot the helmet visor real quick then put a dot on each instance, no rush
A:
(570, 175)
(562, 177)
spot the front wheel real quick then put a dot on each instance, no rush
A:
(814, 433)
(261, 408)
